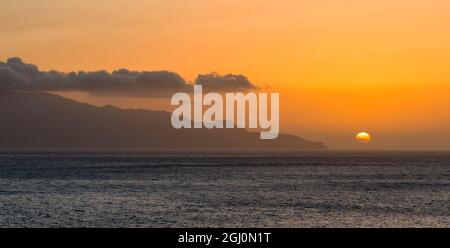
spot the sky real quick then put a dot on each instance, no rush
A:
(341, 67)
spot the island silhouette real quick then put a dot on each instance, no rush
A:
(47, 121)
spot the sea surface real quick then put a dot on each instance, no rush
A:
(314, 189)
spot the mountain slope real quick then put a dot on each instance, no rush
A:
(45, 121)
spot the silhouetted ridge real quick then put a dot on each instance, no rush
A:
(45, 121)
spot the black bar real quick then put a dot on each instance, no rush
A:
(234, 237)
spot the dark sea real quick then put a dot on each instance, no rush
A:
(314, 189)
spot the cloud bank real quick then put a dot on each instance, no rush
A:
(229, 82)
(15, 75)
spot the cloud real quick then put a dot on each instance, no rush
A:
(225, 83)
(15, 75)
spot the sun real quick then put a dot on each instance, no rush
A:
(363, 137)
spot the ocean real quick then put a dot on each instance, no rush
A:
(306, 189)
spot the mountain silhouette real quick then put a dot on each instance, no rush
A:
(46, 121)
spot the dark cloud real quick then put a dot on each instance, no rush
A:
(15, 75)
(224, 83)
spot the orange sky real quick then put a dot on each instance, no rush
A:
(341, 66)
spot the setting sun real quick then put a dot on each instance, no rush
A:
(363, 137)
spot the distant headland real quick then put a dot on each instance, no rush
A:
(46, 121)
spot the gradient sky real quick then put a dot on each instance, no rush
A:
(381, 66)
